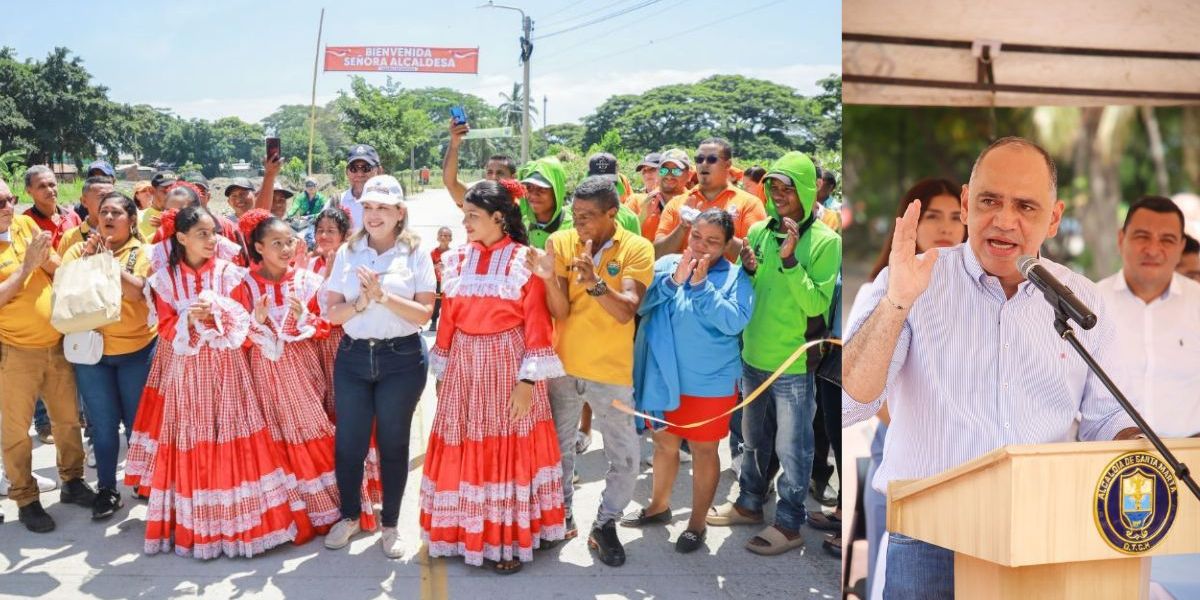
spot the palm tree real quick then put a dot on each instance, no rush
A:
(513, 106)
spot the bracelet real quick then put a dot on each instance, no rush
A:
(889, 301)
(357, 309)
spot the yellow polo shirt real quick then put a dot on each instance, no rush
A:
(25, 320)
(591, 344)
(73, 236)
(132, 332)
(145, 227)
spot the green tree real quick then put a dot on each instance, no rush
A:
(512, 110)
(386, 118)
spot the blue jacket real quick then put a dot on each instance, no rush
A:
(687, 342)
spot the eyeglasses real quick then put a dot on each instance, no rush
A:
(673, 171)
(710, 159)
(8, 201)
(360, 168)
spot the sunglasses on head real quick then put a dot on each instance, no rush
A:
(673, 171)
(360, 168)
(710, 159)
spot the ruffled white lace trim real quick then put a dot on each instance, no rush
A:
(231, 323)
(539, 365)
(506, 273)
(437, 362)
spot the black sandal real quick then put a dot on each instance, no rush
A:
(502, 567)
(690, 541)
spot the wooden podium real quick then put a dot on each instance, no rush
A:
(1021, 522)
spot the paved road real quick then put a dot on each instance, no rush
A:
(83, 559)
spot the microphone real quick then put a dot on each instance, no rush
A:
(1057, 294)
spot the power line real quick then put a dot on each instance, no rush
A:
(560, 52)
(600, 19)
(577, 17)
(670, 37)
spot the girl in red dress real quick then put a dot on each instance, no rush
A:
(218, 483)
(143, 441)
(492, 486)
(288, 380)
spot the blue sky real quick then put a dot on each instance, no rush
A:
(219, 57)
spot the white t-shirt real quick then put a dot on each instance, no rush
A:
(1158, 350)
(404, 273)
(351, 204)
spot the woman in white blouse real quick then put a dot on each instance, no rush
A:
(381, 290)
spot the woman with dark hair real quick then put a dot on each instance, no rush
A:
(112, 387)
(219, 485)
(687, 364)
(285, 330)
(940, 225)
(493, 451)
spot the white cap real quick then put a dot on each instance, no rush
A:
(383, 189)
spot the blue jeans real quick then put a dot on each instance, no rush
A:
(41, 419)
(376, 383)
(790, 400)
(918, 570)
(111, 390)
(875, 505)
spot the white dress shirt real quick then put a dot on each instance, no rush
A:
(974, 370)
(1158, 352)
(404, 273)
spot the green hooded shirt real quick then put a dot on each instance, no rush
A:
(553, 171)
(784, 296)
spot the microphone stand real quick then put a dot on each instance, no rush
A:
(1181, 470)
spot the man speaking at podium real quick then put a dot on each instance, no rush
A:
(964, 350)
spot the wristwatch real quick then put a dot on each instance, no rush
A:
(599, 289)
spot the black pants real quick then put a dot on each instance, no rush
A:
(375, 382)
(827, 432)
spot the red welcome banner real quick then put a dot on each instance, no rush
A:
(415, 59)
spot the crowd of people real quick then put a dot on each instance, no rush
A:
(956, 354)
(267, 363)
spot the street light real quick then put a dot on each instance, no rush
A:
(526, 51)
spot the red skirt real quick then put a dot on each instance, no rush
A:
(291, 392)
(492, 487)
(693, 409)
(219, 484)
(143, 440)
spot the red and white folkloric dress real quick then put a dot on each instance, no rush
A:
(143, 440)
(289, 384)
(372, 490)
(492, 487)
(218, 483)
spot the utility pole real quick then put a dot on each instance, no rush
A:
(545, 119)
(526, 52)
(312, 117)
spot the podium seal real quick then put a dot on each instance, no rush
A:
(1135, 502)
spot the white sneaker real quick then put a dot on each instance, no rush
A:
(91, 456)
(390, 542)
(339, 535)
(45, 484)
(582, 441)
(684, 456)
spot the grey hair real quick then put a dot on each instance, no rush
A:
(1013, 140)
(36, 170)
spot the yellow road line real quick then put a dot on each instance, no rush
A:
(433, 570)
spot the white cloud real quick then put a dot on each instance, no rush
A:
(572, 95)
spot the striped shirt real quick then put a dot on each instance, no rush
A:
(974, 371)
